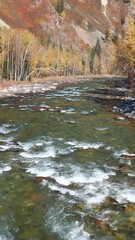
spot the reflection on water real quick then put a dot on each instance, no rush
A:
(67, 167)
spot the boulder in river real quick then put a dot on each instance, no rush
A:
(124, 168)
(128, 156)
(109, 201)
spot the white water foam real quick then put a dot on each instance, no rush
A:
(131, 174)
(50, 152)
(84, 145)
(48, 149)
(82, 177)
(58, 221)
(5, 234)
(8, 145)
(2, 237)
(92, 187)
(4, 148)
(102, 128)
(7, 128)
(5, 169)
(123, 152)
(77, 232)
(126, 193)
(89, 185)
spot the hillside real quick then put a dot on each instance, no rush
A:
(66, 37)
(80, 22)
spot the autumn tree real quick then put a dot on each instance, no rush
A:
(108, 58)
(126, 52)
(60, 6)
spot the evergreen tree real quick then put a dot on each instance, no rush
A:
(115, 37)
(60, 6)
(107, 35)
(97, 48)
(5, 72)
(96, 52)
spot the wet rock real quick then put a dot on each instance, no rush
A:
(109, 201)
(2, 143)
(79, 207)
(118, 97)
(72, 122)
(129, 156)
(14, 143)
(37, 148)
(130, 116)
(44, 106)
(129, 208)
(10, 146)
(110, 91)
(85, 112)
(131, 219)
(120, 118)
(2, 134)
(121, 236)
(58, 109)
(126, 106)
(13, 149)
(103, 225)
(124, 168)
(73, 187)
(39, 179)
(99, 223)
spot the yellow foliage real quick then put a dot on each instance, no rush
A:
(126, 51)
(63, 14)
(27, 37)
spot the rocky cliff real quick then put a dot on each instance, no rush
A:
(80, 21)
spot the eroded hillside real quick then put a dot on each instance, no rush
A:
(82, 21)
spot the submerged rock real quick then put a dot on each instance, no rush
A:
(99, 223)
(124, 168)
(109, 201)
(103, 225)
(37, 197)
(11, 146)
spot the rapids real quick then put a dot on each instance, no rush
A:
(67, 164)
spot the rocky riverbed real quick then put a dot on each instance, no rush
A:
(118, 95)
(67, 164)
(14, 89)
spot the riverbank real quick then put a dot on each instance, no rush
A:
(120, 98)
(12, 88)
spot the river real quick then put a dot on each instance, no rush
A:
(67, 166)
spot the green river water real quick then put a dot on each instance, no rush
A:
(67, 173)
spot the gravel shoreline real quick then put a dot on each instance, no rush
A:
(14, 89)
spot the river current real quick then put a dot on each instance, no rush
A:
(67, 167)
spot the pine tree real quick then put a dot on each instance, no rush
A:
(60, 6)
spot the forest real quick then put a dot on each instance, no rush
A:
(24, 56)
